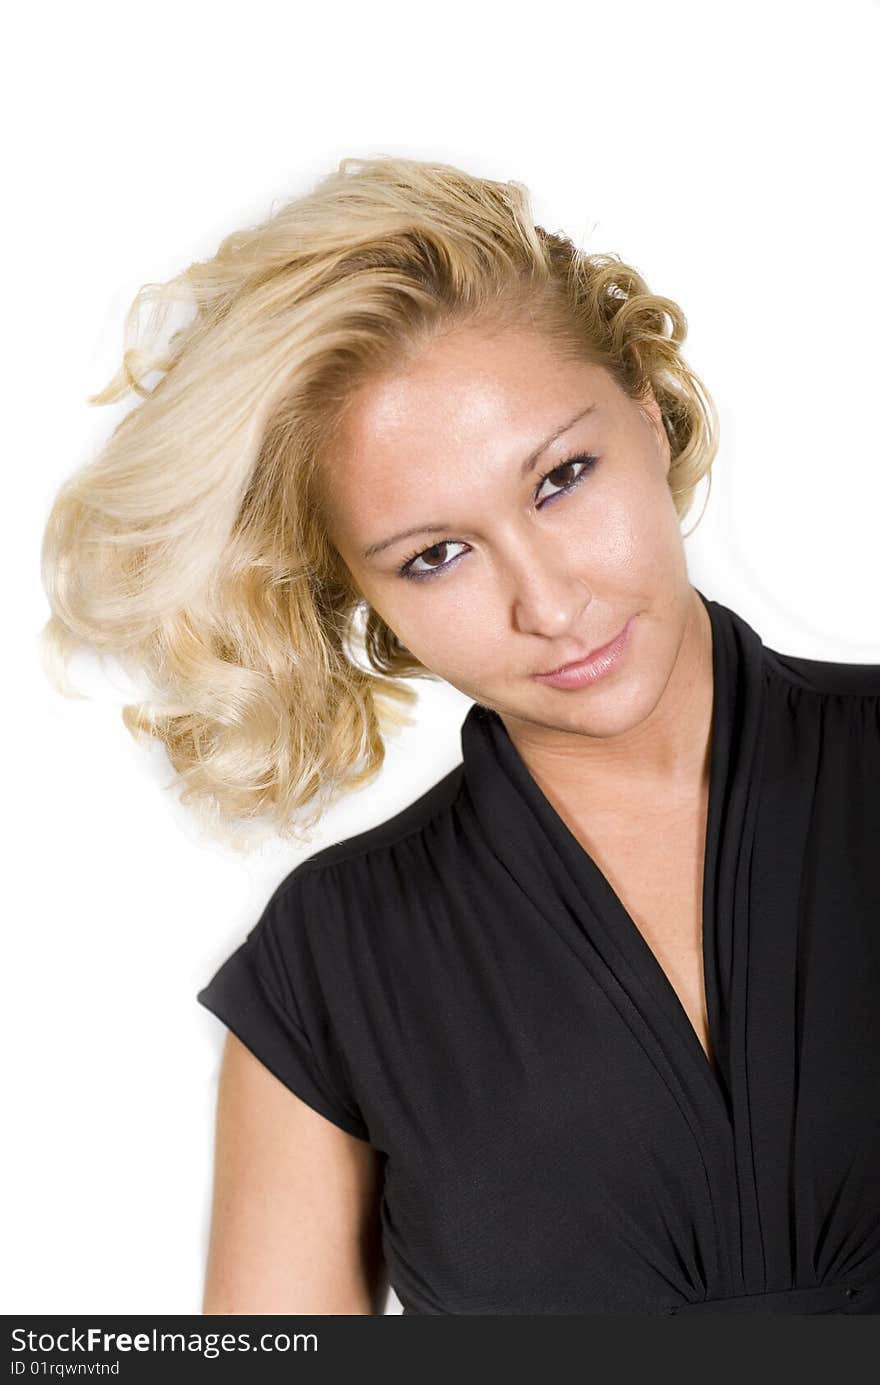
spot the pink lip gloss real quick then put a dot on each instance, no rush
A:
(590, 670)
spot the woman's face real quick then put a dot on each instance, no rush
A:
(506, 511)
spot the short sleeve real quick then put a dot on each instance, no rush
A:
(268, 993)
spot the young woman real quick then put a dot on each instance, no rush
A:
(593, 1025)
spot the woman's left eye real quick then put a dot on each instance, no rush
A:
(585, 461)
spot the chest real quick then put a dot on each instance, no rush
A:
(654, 863)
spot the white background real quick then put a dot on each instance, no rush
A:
(730, 152)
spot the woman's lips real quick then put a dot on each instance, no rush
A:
(593, 667)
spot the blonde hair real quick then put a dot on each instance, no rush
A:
(193, 548)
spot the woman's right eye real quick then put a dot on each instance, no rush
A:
(408, 568)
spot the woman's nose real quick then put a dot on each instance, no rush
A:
(548, 598)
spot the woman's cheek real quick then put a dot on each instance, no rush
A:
(455, 629)
(607, 541)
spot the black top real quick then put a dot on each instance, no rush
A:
(462, 987)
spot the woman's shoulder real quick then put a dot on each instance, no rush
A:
(372, 851)
(830, 677)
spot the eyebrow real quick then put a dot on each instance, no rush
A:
(526, 467)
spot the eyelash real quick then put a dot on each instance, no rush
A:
(588, 458)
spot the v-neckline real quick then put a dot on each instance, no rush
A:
(732, 650)
(651, 960)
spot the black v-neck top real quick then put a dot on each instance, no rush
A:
(462, 987)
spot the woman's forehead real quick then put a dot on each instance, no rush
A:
(456, 404)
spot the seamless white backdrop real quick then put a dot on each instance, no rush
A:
(729, 152)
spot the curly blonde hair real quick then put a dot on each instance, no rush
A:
(193, 548)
